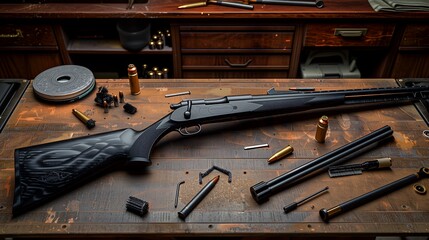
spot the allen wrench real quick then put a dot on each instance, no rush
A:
(176, 199)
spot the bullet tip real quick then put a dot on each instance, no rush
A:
(216, 179)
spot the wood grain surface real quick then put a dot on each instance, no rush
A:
(345, 9)
(97, 208)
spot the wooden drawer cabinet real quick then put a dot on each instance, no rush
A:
(348, 35)
(416, 36)
(27, 49)
(413, 55)
(257, 38)
(13, 35)
(233, 74)
(235, 65)
(236, 51)
(237, 61)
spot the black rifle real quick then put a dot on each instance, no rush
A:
(48, 170)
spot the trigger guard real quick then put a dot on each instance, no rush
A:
(139, 161)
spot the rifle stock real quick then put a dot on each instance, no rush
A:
(45, 171)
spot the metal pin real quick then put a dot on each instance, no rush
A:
(256, 146)
(176, 200)
(177, 94)
(294, 205)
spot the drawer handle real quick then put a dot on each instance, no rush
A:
(350, 32)
(238, 64)
(8, 35)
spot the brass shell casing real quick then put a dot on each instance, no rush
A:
(134, 79)
(89, 123)
(82, 117)
(322, 128)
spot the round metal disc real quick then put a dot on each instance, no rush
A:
(64, 83)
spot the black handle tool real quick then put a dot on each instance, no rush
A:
(294, 205)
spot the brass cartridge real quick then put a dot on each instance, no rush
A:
(134, 79)
(322, 128)
(280, 154)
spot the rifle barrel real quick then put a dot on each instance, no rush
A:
(263, 190)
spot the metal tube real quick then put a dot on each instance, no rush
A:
(231, 4)
(327, 214)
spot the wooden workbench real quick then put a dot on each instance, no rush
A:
(98, 207)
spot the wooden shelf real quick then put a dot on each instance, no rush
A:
(96, 46)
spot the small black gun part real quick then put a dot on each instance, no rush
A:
(137, 206)
(198, 198)
(103, 96)
(356, 169)
(294, 205)
(89, 123)
(130, 108)
(327, 214)
(176, 199)
(224, 171)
